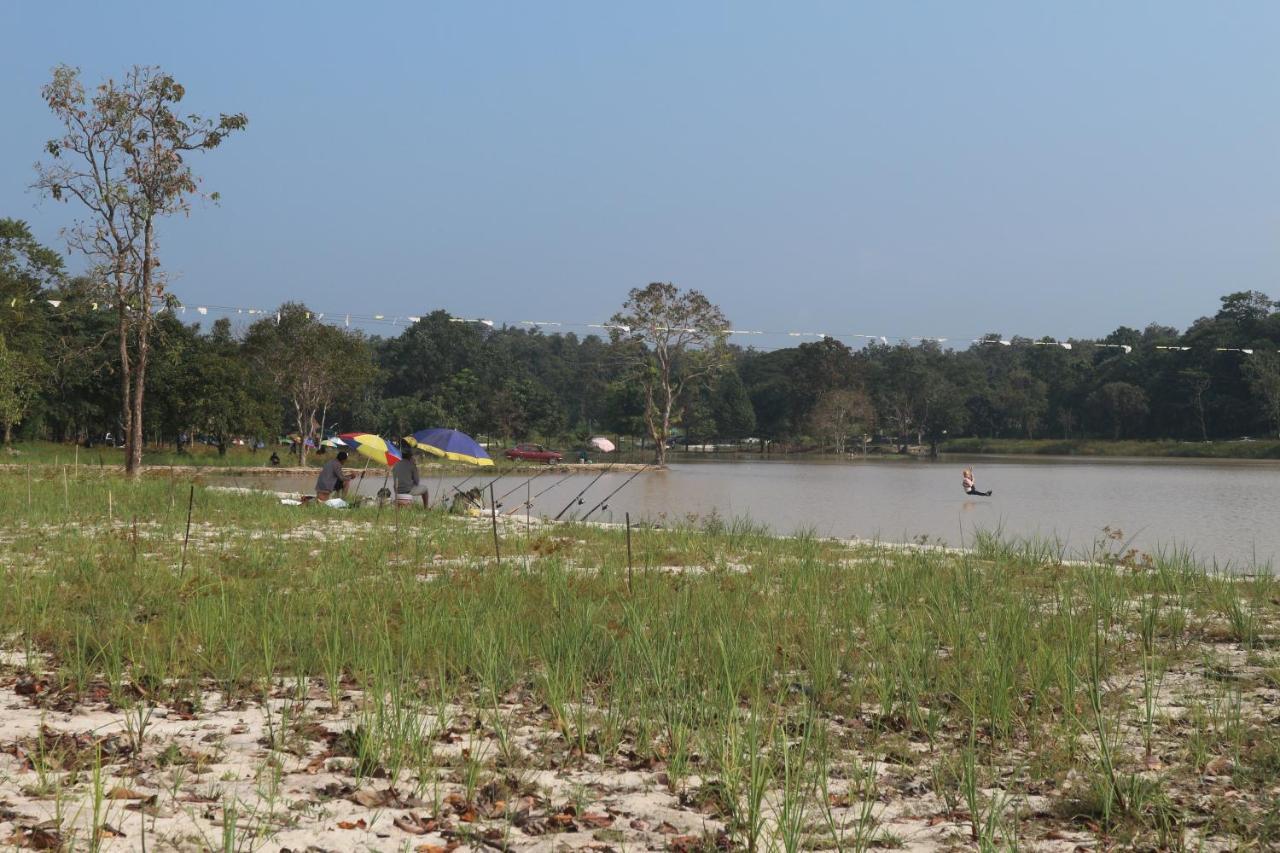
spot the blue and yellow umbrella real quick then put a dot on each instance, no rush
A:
(372, 446)
(449, 444)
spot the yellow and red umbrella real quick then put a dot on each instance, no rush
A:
(372, 446)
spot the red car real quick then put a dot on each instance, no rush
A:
(534, 453)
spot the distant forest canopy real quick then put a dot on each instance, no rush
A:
(58, 369)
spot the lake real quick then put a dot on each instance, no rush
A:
(1223, 510)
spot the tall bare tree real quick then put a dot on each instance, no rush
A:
(840, 413)
(122, 158)
(677, 339)
(311, 364)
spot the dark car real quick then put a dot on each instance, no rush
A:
(533, 453)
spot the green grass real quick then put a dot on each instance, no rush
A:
(1260, 449)
(771, 668)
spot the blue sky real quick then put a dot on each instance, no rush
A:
(913, 168)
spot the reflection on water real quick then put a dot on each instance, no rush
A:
(1222, 510)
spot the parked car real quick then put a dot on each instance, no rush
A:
(534, 453)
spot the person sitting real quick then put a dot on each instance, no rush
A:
(967, 482)
(333, 478)
(408, 481)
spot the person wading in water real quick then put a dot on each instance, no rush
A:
(969, 487)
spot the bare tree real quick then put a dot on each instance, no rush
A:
(677, 339)
(311, 364)
(1197, 382)
(840, 413)
(121, 156)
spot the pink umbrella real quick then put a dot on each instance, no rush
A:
(602, 444)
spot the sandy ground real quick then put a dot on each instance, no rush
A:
(274, 775)
(280, 772)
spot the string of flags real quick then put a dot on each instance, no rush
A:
(347, 318)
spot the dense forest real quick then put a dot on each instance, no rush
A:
(292, 373)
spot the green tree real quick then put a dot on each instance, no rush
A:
(224, 396)
(731, 407)
(122, 157)
(624, 407)
(1263, 372)
(679, 337)
(20, 382)
(27, 271)
(1122, 405)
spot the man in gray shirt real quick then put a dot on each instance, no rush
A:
(408, 483)
(332, 478)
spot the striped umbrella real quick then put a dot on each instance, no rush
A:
(372, 446)
(449, 444)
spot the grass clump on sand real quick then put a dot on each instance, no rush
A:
(735, 690)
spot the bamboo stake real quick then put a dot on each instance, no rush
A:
(493, 514)
(191, 499)
(629, 569)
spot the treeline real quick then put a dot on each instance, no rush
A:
(60, 371)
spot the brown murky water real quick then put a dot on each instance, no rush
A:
(1223, 511)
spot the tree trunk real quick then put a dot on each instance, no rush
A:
(8, 433)
(302, 439)
(126, 368)
(133, 461)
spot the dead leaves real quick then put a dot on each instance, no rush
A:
(43, 836)
(387, 798)
(1219, 766)
(415, 825)
(700, 843)
(359, 824)
(119, 793)
(55, 750)
(29, 685)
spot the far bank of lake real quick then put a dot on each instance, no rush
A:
(1243, 448)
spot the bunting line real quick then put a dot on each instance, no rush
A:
(347, 318)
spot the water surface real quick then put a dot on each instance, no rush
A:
(1223, 510)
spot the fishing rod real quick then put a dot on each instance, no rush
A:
(466, 496)
(578, 498)
(505, 494)
(604, 504)
(530, 501)
(455, 486)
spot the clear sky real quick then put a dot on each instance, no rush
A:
(898, 168)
